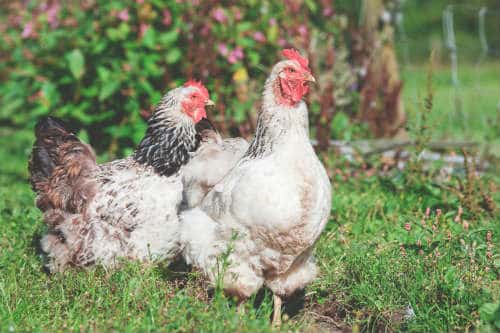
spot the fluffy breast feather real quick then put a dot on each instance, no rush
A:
(209, 164)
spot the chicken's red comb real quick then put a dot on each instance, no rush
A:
(199, 85)
(293, 54)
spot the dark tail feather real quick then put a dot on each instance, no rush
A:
(59, 166)
(50, 135)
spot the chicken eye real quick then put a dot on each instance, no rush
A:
(291, 70)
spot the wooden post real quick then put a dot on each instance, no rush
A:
(381, 100)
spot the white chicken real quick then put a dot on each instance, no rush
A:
(213, 159)
(126, 208)
(270, 209)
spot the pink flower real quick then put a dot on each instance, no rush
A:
(327, 11)
(123, 15)
(140, 2)
(167, 18)
(232, 58)
(428, 212)
(15, 20)
(52, 15)
(237, 14)
(238, 53)
(438, 212)
(293, 6)
(223, 50)
(205, 30)
(419, 243)
(272, 21)
(28, 30)
(142, 29)
(234, 55)
(219, 15)
(259, 37)
(465, 224)
(407, 226)
(303, 30)
(282, 42)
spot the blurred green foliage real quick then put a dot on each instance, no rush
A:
(423, 26)
(101, 64)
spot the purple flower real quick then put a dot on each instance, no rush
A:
(167, 18)
(219, 15)
(123, 15)
(259, 37)
(223, 50)
(28, 30)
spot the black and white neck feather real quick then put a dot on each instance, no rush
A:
(275, 120)
(169, 140)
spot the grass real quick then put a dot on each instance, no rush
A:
(381, 259)
(469, 111)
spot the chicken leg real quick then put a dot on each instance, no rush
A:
(277, 311)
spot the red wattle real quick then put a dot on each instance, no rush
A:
(199, 114)
(292, 91)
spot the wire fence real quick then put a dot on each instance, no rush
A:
(469, 49)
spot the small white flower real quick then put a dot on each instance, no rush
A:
(386, 16)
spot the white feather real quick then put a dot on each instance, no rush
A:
(277, 204)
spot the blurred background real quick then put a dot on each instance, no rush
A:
(102, 65)
(411, 143)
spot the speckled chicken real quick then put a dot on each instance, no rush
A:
(270, 209)
(128, 208)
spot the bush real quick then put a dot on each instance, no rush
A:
(100, 65)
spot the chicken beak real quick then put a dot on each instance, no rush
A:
(310, 78)
(209, 102)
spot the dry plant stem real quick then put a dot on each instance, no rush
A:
(277, 311)
(241, 308)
